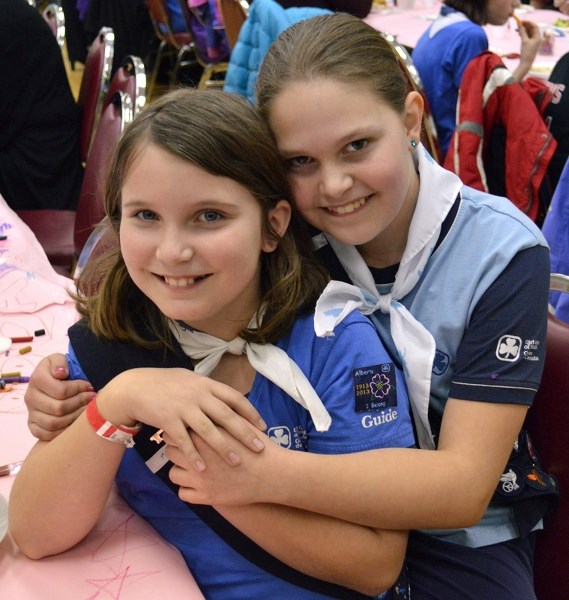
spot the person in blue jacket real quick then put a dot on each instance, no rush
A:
(215, 274)
(555, 228)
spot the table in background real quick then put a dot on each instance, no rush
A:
(407, 25)
(123, 557)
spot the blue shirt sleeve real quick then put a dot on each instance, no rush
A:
(75, 370)
(362, 389)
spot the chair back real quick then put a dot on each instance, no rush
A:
(162, 26)
(179, 44)
(234, 13)
(547, 423)
(90, 208)
(429, 136)
(213, 71)
(55, 18)
(94, 84)
(129, 78)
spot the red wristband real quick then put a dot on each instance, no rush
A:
(114, 433)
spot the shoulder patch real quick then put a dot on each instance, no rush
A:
(375, 387)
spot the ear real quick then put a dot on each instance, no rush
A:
(279, 218)
(413, 115)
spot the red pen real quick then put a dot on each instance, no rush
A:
(21, 340)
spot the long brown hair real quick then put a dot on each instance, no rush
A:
(223, 134)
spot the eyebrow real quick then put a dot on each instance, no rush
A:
(354, 135)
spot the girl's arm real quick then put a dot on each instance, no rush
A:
(62, 489)
(351, 555)
(397, 488)
(530, 41)
(54, 404)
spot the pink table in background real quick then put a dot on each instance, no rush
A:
(123, 558)
(407, 25)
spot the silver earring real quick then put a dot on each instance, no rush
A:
(413, 143)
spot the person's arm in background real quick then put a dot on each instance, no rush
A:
(562, 5)
(530, 40)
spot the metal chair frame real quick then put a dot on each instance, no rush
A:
(130, 78)
(55, 18)
(94, 86)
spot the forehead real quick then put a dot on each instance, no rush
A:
(323, 111)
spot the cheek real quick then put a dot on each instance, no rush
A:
(303, 194)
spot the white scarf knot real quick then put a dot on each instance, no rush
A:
(267, 359)
(414, 343)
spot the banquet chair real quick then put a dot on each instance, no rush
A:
(53, 14)
(211, 70)
(547, 423)
(234, 13)
(63, 233)
(179, 46)
(129, 78)
(429, 136)
(94, 85)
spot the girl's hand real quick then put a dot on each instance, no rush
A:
(562, 5)
(530, 41)
(176, 400)
(54, 402)
(220, 484)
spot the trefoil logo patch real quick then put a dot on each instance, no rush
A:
(280, 435)
(508, 348)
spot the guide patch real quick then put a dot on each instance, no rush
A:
(375, 387)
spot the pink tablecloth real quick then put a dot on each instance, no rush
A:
(123, 557)
(408, 25)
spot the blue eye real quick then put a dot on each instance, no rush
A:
(209, 216)
(356, 145)
(146, 215)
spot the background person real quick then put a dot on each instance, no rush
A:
(444, 50)
(40, 164)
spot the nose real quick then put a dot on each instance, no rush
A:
(335, 180)
(174, 247)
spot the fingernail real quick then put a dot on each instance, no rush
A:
(91, 389)
(258, 444)
(61, 370)
(262, 424)
(234, 458)
(199, 466)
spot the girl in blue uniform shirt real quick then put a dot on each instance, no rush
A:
(457, 281)
(215, 272)
(443, 52)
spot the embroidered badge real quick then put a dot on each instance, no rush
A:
(280, 435)
(508, 348)
(511, 483)
(536, 478)
(375, 387)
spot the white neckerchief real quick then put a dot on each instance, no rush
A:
(443, 21)
(267, 359)
(415, 345)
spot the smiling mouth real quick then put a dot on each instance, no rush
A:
(182, 282)
(347, 208)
